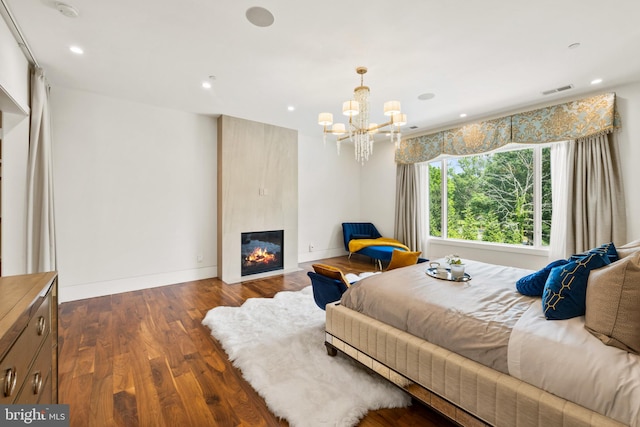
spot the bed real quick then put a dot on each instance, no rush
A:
(498, 362)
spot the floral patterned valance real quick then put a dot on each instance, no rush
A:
(477, 137)
(571, 120)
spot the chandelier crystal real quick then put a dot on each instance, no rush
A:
(359, 130)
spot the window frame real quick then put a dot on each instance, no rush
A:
(537, 246)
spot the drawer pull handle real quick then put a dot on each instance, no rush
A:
(37, 383)
(42, 324)
(10, 380)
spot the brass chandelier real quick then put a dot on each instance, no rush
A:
(360, 131)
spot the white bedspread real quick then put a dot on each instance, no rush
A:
(473, 319)
(562, 357)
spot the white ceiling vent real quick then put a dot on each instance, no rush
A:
(558, 89)
(67, 10)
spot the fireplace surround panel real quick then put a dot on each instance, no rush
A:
(257, 189)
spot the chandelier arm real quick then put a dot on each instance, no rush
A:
(389, 123)
(378, 127)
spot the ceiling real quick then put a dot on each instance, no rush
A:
(482, 58)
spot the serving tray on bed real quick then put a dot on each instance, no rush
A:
(432, 272)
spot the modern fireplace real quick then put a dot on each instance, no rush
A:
(261, 251)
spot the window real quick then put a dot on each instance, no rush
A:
(500, 197)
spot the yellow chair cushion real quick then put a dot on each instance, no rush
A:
(403, 259)
(330, 272)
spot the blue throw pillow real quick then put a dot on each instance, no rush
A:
(610, 250)
(565, 291)
(607, 248)
(533, 284)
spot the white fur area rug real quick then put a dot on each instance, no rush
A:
(278, 344)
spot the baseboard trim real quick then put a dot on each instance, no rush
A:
(315, 255)
(235, 280)
(110, 287)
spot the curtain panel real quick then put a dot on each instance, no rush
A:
(408, 224)
(41, 236)
(580, 119)
(596, 194)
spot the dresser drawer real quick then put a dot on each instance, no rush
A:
(16, 364)
(37, 379)
(46, 395)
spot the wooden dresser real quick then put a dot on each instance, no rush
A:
(29, 339)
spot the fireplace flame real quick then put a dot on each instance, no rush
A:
(260, 255)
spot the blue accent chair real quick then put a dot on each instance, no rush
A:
(325, 289)
(366, 230)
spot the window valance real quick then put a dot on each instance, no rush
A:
(571, 120)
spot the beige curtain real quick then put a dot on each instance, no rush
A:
(595, 194)
(408, 219)
(41, 242)
(561, 211)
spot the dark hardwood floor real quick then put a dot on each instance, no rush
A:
(143, 358)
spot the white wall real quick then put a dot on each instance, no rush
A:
(135, 190)
(132, 211)
(14, 74)
(329, 194)
(15, 152)
(14, 103)
(378, 188)
(628, 103)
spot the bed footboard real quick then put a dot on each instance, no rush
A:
(465, 391)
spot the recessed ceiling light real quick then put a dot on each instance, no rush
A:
(291, 108)
(76, 49)
(259, 16)
(574, 45)
(426, 96)
(596, 81)
(463, 115)
(208, 83)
